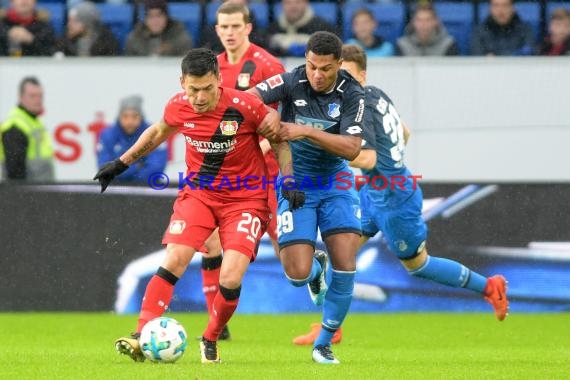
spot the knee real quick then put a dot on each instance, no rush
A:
(296, 270)
(177, 259)
(416, 261)
(230, 280)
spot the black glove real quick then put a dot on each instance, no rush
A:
(109, 171)
(295, 197)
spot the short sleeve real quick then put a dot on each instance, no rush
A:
(370, 122)
(353, 112)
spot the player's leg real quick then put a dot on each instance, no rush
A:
(186, 231)
(157, 295)
(406, 233)
(369, 229)
(272, 226)
(339, 221)
(241, 226)
(211, 264)
(297, 236)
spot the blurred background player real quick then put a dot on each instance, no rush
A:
(158, 34)
(242, 65)
(240, 213)
(322, 114)
(209, 37)
(26, 146)
(25, 31)
(116, 139)
(397, 212)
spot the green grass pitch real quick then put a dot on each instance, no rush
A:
(375, 346)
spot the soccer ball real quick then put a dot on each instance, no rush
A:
(163, 340)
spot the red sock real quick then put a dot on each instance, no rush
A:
(156, 297)
(222, 310)
(211, 279)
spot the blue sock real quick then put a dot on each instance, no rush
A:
(451, 273)
(315, 272)
(337, 303)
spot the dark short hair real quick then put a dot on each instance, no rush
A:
(31, 80)
(324, 43)
(356, 54)
(229, 8)
(560, 14)
(199, 62)
(363, 11)
(425, 7)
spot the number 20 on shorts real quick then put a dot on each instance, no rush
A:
(250, 225)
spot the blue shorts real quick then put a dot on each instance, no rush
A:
(332, 211)
(403, 226)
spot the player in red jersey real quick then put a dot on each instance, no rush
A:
(220, 126)
(242, 66)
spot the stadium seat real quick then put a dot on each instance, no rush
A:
(529, 12)
(390, 18)
(458, 20)
(190, 14)
(260, 10)
(57, 15)
(119, 18)
(327, 11)
(550, 6)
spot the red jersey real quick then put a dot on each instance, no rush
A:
(222, 146)
(255, 66)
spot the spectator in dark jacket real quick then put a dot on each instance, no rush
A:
(119, 137)
(503, 32)
(25, 31)
(158, 34)
(86, 34)
(558, 40)
(426, 36)
(289, 33)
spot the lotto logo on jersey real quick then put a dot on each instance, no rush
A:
(229, 127)
(275, 81)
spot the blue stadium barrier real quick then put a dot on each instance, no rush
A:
(260, 11)
(458, 20)
(390, 18)
(529, 12)
(119, 18)
(327, 11)
(57, 15)
(190, 14)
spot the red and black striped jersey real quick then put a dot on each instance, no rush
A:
(222, 146)
(255, 66)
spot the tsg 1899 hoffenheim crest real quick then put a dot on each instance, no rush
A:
(229, 127)
(334, 110)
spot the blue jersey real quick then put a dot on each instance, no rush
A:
(339, 111)
(384, 132)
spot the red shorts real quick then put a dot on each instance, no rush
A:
(196, 215)
(272, 202)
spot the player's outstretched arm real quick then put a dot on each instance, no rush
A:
(150, 139)
(269, 126)
(344, 146)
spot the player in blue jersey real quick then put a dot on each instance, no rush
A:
(396, 210)
(322, 111)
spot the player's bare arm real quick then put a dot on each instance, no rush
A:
(366, 159)
(407, 132)
(345, 146)
(150, 139)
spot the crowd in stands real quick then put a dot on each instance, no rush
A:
(384, 28)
